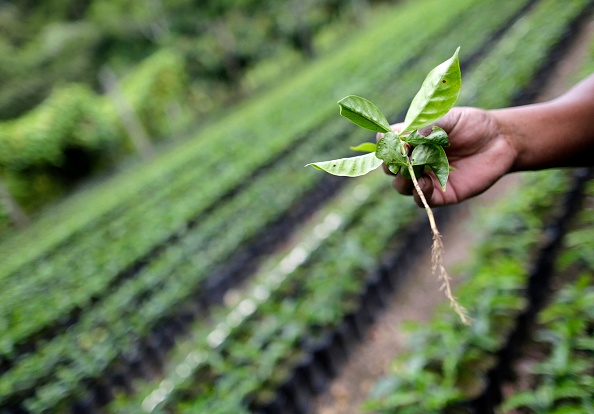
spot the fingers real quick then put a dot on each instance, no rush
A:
(403, 185)
(406, 187)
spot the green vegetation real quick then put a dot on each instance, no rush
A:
(447, 361)
(85, 284)
(535, 45)
(561, 382)
(28, 274)
(292, 303)
(102, 241)
(178, 64)
(559, 375)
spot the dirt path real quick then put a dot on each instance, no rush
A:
(417, 296)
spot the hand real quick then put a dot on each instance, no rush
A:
(480, 153)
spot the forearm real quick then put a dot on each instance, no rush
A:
(558, 133)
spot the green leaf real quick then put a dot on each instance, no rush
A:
(390, 151)
(437, 95)
(365, 147)
(437, 137)
(363, 113)
(418, 169)
(349, 167)
(435, 158)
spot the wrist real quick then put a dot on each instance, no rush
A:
(508, 133)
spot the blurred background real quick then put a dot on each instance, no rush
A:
(82, 83)
(162, 248)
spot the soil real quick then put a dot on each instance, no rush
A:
(418, 295)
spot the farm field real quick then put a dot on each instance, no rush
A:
(223, 277)
(411, 303)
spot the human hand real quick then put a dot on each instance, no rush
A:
(479, 153)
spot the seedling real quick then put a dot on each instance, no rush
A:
(408, 152)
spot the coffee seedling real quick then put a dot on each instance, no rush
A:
(408, 152)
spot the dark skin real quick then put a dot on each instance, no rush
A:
(488, 144)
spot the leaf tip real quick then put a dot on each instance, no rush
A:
(340, 102)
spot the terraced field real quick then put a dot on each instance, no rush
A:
(167, 288)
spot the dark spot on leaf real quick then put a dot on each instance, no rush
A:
(334, 165)
(443, 81)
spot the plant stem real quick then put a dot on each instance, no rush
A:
(437, 251)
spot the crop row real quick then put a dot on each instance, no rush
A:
(173, 275)
(164, 269)
(557, 374)
(241, 356)
(45, 395)
(226, 225)
(254, 129)
(166, 385)
(251, 137)
(156, 273)
(135, 234)
(538, 36)
(143, 227)
(447, 363)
